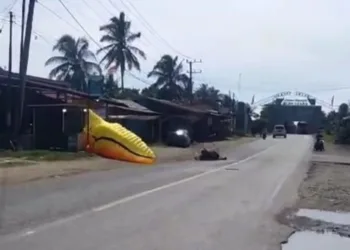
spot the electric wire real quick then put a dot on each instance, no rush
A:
(104, 7)
(130, 14)
(151, 29)
(88, 34)
(93, 10)
(34, 31)
(56, 15)
(7, 9)
(80, 25)
(3, 182)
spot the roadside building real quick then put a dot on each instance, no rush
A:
(54, 113)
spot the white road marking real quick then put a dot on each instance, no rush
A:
(133, 197)
(30, 232)
(172, 184)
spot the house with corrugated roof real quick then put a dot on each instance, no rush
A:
(54, 112)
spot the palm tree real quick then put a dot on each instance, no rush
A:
(75, 63)
(120, 52)
(170, 77)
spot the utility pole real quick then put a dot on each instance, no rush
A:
(8, 87)
(24, 64)
(239, 85)
(3, 183)
(191, 72)
(22, 33)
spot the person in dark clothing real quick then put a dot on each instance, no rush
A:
(319, 143)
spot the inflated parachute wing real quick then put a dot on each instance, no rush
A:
(113, 141)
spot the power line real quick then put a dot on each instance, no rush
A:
(56, 15)
(138, 78)
(6, 9)
(87, 33)
(104, 7)
(152, 30)
(93, 10)
(35, 32)
(143, 35)
(80, 25)
(9, 7)
(114, 5)
(148, 27)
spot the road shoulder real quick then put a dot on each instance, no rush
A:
(32, 171)
(325, 187)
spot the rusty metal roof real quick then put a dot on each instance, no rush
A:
(133, 117)
(16, 76)
(132, 104)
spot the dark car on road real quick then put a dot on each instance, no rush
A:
(179, 138)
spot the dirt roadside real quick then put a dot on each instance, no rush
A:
(23, 171)
(326, 186)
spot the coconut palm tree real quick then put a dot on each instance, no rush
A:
(74, 63)
(170, 77)
(120, 53)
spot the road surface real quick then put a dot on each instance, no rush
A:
(188, 205)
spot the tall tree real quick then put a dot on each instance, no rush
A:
(120, 53)
(171, 80)
(150, 91)
(208, 95)
(110, 88)
(74, 63)
(343, 110)
(226, 101)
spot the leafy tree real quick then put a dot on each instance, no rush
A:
(264, 113)
(75, 62)
(110, 88)
(171, 81)
(129, 93)
(343, 110)
(207, 95)
(120, 53)
(226, 101)
(150, 91)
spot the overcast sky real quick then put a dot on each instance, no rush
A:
(277, 45)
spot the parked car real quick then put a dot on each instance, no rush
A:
(179, 138)
(279, 130)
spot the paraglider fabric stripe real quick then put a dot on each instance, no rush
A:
(120, 144)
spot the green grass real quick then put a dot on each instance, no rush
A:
(15, 163)
(44, 155)
(329, 138)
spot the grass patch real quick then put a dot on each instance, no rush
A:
(44, 155)
(329, 138)
(15, 163)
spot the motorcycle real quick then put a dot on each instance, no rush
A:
(319, 144)
(264, 136)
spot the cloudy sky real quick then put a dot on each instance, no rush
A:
(277, 45)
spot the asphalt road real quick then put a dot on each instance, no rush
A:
(187, 205)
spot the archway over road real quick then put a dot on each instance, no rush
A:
(278, 109)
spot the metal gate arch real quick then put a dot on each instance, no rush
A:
(287, 113)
